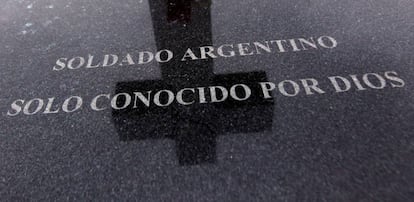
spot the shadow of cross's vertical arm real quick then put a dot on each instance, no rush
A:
(177, 26)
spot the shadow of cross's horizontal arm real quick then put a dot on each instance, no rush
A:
(194, 127)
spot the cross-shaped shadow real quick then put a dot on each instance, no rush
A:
(177, 26)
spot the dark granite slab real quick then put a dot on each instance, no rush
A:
(299, 142)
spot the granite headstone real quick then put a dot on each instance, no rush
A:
(207, 100)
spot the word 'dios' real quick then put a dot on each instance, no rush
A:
(205, 95)
(200, 53)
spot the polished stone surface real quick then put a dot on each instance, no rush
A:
(355, 145)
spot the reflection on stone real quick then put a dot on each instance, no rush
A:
(194, 127)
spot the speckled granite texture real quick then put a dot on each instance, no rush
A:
(352, 146)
